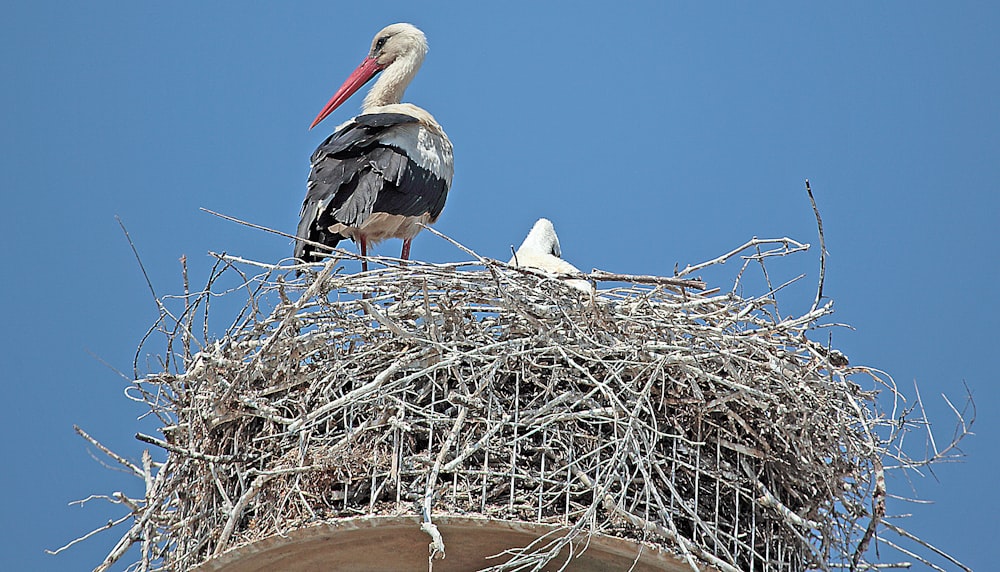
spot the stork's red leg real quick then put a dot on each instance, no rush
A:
(364, 252)
(405, 255)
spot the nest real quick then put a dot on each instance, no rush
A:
(700, 422)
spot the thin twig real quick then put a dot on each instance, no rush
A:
(121, 460)
(142, 267)
(789, 246)
(822, 247)
(182, 451)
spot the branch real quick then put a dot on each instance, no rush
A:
(752, 243)
(822, 247)
(181, 451)
(121, 460)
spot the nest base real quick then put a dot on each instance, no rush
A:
(396, 543)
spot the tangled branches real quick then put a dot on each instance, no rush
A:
(697, 421)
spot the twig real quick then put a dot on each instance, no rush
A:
(182, 451)
(121, 460)
(454, 243)
(111, 524)
(900, 531)
(877, 516)
(237, 511)
(822, 248)
(263, 228)
(603, 276)
(789, 246)
(142, 268)
(437, 543)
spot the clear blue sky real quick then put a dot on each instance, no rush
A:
(651, 133)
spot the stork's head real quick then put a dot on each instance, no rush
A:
(398, 48)
(542, 239)
(397, 41)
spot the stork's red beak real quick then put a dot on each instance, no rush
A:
(367, 70)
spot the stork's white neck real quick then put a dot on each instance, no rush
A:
(393, 80)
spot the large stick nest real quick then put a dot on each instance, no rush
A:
(704, 423)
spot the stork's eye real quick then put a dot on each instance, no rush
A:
(380, 42)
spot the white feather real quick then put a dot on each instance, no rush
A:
(425, 148)
(540, 250)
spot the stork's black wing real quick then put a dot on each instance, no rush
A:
(356, 172)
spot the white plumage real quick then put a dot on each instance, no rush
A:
(540, 250)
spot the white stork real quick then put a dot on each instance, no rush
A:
(387, 169)
(540, 250)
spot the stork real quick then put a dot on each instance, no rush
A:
(540, 250)
(383, 171)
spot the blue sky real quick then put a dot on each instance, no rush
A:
(651, 133)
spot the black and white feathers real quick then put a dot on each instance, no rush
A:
(371, 177)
